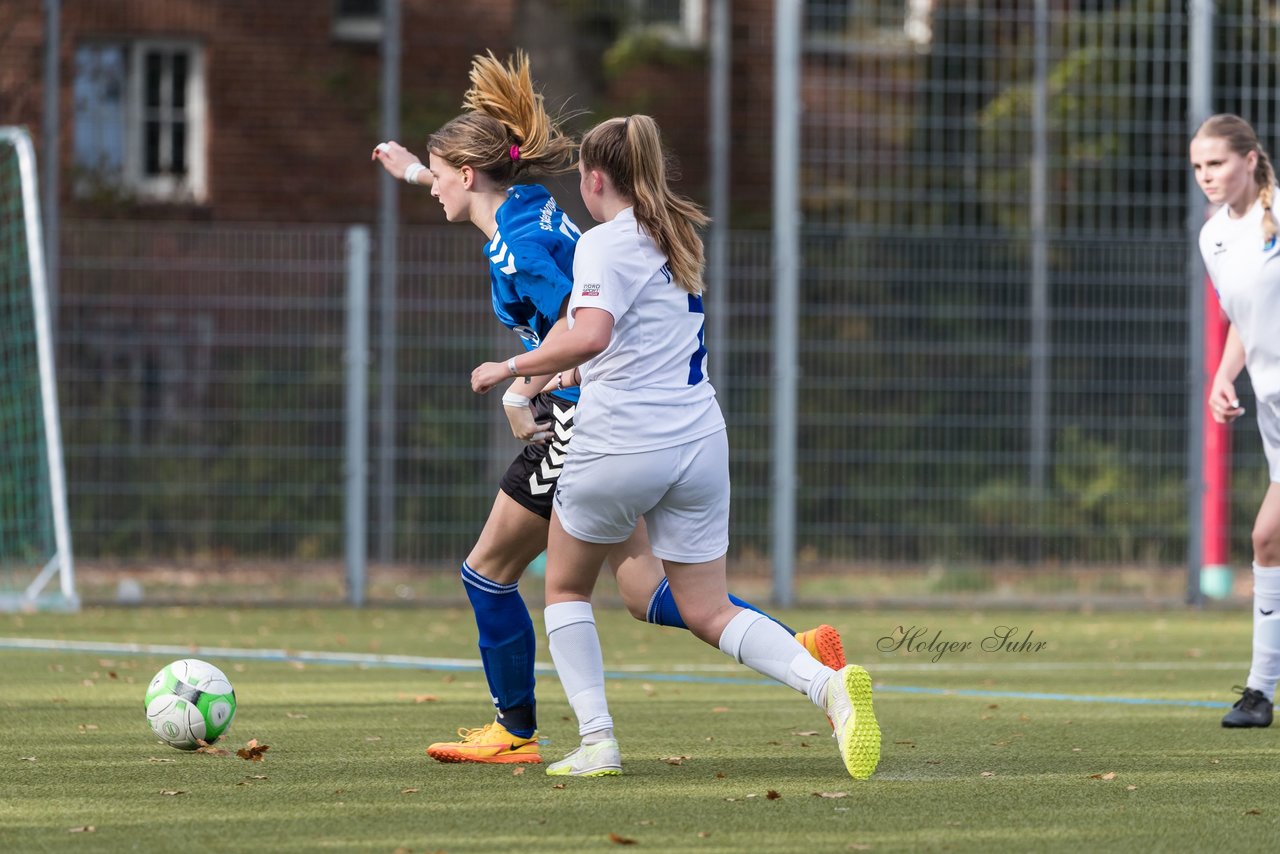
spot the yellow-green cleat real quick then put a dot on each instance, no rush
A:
(602, 759)
(856, 731)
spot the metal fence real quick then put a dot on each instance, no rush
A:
(993, 359)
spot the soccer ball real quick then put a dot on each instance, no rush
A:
(190, 701)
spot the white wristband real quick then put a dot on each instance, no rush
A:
(515, 400)
(511, 366)
(411, 172)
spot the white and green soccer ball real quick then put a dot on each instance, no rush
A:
(190, 701)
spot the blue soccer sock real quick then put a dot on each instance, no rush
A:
(662, 609)
(507, 649)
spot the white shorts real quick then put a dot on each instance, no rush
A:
(682, 493)
(1269, 427)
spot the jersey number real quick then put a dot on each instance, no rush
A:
(699, 357)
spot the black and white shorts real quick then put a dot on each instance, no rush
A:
(532, 477)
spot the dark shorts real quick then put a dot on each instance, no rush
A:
(531, 478)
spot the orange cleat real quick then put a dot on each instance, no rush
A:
(490, 743)
(824, 644)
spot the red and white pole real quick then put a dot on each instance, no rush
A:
(1215, 559)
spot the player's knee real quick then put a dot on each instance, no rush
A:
(1266, 545)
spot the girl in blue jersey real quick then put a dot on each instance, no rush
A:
(650, 445)
(478, 168)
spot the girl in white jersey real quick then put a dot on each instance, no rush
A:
(650, 442)
(479, 168)
(1239, 248)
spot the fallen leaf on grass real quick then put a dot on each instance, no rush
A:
(675, 760)
(253, 751)
(517, 771)
(907, 743)
(206, 747)
(87, 727)
(158, 759)
(721, 709)
(409, 791)
(1110, 775)
(719, 775)
(1252, 812)
(704, 834)
(27, 758)
(772, 795)
(426, 698)
(831, 794)
(86, 828)
(255, 776)
(1130, 788)
(807, 733)
(988, 773)
(295, 716)
(557, 785)
(173, 791)
(621, 840)
(373, 738)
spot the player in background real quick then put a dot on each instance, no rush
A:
(479, 168)
(1238, 244)
(648, 420)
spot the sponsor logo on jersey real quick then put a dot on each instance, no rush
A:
(591, 289)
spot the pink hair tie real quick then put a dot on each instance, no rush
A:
(515, 152)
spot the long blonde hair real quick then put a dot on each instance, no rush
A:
(1242, 139)
(630, 152)
(506, 132)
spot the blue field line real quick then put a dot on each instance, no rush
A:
(415, 662)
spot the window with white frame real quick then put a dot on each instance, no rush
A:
(140, 119)
(886, 23)
(679, 20)
(357, 20)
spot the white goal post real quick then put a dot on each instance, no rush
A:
(35, 535)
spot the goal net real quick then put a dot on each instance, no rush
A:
(36, 569)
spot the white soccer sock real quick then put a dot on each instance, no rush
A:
(575, 650)
(1264, 670)
(766, 647)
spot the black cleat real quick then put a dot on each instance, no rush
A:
(1252, 709)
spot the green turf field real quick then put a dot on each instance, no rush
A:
(1104, 738)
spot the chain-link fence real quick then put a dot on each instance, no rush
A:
(993, 353)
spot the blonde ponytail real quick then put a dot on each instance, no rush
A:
(630, 152)
(506, 132)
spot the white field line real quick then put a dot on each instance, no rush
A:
(429, 663)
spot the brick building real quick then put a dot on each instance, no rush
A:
(251, 111)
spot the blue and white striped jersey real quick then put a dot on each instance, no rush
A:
(531, 264)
